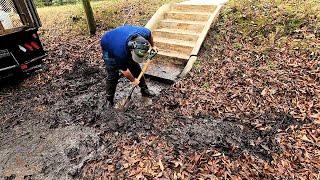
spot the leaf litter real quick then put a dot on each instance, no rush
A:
(249, 108)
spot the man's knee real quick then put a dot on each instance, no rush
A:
(113, 77)
(111, 87)
(112, 81)
(135, 69)
(112, 73)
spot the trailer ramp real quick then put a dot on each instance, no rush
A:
(179, 31)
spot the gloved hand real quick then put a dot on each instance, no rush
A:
(136, 82)
(152, 53)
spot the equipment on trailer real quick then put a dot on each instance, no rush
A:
(20, 49)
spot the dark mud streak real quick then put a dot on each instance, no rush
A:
(231, 135)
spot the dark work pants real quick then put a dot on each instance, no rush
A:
(113, 75)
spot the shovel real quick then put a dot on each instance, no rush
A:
(124, 104)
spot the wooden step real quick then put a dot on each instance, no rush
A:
(178, 31)
(182, 47)
(176, 34)
(165, 67)
(164, 71)
(193, 26)
(173, 54)
(190, 16)
(175, 41)
(193, 8)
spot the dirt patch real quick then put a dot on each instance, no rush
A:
(62, 129)
(83, 97)
(229, 135)
(52, 130)
(183, 144)
(40, 153)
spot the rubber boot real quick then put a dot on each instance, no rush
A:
(110, 91)
(110, 102)
(145, 92)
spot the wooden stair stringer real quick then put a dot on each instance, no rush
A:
(205, 31)
(172, 30)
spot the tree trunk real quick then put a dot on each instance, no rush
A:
(90, 18)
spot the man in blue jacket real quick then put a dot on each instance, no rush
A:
(123, 49)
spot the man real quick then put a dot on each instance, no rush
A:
(123, 49)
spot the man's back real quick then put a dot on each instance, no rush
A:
(115, 41)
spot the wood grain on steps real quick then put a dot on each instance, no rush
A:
(176, 34)
(183, 47)
(191, 16)
(193, 26)
(175, 41)
(173, 54)
(197, 8)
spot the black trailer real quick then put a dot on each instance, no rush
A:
(20, 49)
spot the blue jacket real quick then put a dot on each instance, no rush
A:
(115, 42)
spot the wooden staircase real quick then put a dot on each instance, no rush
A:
(179, 31)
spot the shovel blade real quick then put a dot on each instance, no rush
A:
(124, 105)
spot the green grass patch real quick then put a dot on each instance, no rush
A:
(206, 86)
(108, 14)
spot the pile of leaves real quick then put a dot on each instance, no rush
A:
(260, 57)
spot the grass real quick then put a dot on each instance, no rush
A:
(206, 86)
(108, 14)
(266, 18)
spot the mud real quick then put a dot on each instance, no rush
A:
(52, 131)
(42, 153)
(232, 136)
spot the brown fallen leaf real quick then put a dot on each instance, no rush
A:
(305, 138)
(161, 165)
(140, 176)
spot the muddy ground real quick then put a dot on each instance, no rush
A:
(53, 131)
(50, 131)
(249, 109)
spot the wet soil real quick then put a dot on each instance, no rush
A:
(50, 131)
(53, 131)
(231, 135)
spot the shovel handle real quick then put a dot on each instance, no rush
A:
(145, 67)
(152, 54)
